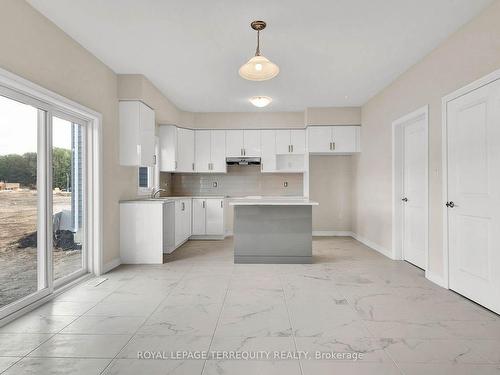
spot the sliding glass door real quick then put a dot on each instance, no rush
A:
(43, 200)
(21, 219)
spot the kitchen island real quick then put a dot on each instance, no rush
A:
(272, 229)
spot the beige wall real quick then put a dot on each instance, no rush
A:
(34, 48)
(333, 116)
(467, 55)
(331, 185)
(237, 120)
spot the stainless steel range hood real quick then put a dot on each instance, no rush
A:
(243, 161)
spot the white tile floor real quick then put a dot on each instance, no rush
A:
(351, 300)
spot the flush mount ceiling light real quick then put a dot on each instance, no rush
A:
(258, 68)
(260, 101)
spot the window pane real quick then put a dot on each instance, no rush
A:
(67, 196)
(18, 201)
(143, 177)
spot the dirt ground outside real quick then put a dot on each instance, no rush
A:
(18, 266)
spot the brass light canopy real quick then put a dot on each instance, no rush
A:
(258, 68)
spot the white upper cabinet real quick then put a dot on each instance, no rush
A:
(333, 139)
(242, 143)
(251, 143)
(185, 150)
(137, 134)
(218, 151)
(234, 143)
(268, 150)
(290, 141)
(202, 150)
(210, 151)
(176, 149)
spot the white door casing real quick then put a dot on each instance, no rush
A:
(473, 185)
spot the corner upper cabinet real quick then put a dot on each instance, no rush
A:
(176, 149)
(137, 134)
(334, 139)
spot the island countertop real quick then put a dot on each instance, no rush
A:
(272, 201)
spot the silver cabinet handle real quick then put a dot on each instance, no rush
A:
(183, 206)
(154, 159)
(221, 204)
(333, 146)
(291, 147)
(330, 146)
(241, 151)
(175, 165)
(193, 166)
(208, 166)
(244, 152)
(203, 204)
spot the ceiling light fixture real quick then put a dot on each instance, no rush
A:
(258, 68)
(260, 101)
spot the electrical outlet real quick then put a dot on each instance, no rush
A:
(285, 184)
(215, 184)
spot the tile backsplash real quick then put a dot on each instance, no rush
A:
(239, 181)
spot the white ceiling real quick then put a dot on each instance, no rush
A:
(330, 52)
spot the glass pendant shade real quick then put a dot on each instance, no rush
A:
(258, 68)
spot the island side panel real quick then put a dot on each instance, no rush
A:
(273, 234)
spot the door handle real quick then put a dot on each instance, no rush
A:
(450, 204)
(405, 199)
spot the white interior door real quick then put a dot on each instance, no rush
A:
(414, 192)
(473, 127)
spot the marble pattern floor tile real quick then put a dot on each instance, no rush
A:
(59, 366)
(351, 302)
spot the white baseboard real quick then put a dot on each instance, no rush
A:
(382, 250)
(436, 279)
(335, 233)
(111, 264)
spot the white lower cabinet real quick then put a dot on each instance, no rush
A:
(182, 221)
(208, 217)
(146, 231)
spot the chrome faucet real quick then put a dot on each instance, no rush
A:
(155, 192)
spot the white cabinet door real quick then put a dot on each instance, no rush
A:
(198, 216)
(251, 141)
(147, 134)
(215, 217)
(137, 123)
(283, 141)
(218, 151)
(298, 141)
(179, 222)
(268, 150)
(202, 150)
(234, 143)
(320, 139)
(345, 138)
(185, 150)
(187, 218)
(168, 148)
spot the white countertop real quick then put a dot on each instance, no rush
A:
(170, 199)
(272, 201)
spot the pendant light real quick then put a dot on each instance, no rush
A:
(258, 68)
